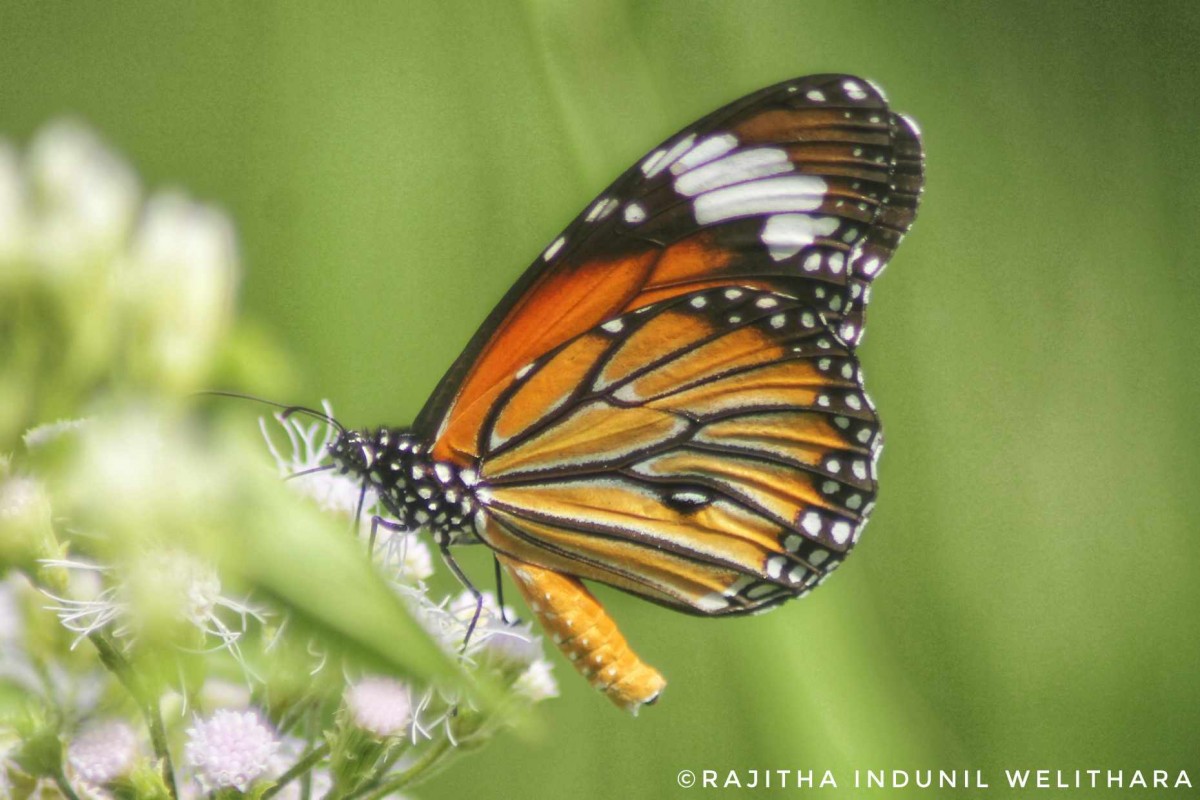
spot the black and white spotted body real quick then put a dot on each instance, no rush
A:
(417, 491)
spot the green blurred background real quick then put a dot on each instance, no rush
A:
(1026, 594)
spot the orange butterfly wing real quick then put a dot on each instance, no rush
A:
(668, 401)
(804, 188)
(714, 453)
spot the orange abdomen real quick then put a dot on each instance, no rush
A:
(587, 635)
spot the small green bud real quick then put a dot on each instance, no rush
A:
(144, 782)
(41, 750)
(26, 531)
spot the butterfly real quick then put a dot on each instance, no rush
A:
(668, 400)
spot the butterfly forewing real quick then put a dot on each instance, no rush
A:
(803, 189)
(714, 452)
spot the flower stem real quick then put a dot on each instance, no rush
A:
(410, 775)
(64, 786)
(116, 663)
(299, 768)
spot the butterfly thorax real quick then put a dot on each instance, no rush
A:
(417, 490)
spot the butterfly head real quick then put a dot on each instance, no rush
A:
(417, 491)
(357, 453)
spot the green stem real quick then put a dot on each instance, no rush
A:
(116, 663)
(299, 768)
(410, 775)
(64, 786)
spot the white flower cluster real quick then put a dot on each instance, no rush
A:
(494, 643)
(139, 291)
(171, 584)
(160, 270)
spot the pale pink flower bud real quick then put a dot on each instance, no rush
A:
(380, 705)
(230, 749)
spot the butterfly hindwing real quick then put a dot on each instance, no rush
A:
(714, 452)
(803, 188)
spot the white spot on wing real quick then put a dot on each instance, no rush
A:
(747, 165)
(785, 235)
(650, 165)
(854, 91)
(704, 151)
(634, 213)
(613, 326)
(554, 247)
(762, 590)
(660, 160)
(712, 602)
(601, 209)
(737, 586)
(816, 95)
(790, 193)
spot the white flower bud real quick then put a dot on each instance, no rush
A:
(230, 749)
(103, 752)
(181, 273)
(410, 556)
(537, 683)
(174, 585)
(507, 645)
(87, 197)
(380, 705)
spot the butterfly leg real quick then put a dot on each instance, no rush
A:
(378, 522)
(362, 499)
(465, 581)
(587, 635)
(500, 594)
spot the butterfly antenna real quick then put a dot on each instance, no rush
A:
(287, 410)
(310, 471)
